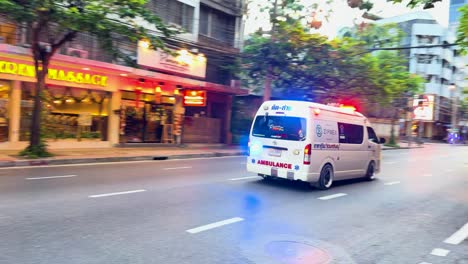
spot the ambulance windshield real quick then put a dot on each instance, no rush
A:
(280, 127)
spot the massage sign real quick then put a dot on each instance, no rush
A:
(25, 70)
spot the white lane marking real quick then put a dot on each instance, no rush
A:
(214, 225)
(112, 163)
(425, 263)
(392, 183)
(243, 178)
(440, 252)
(177, 168)
(457, 237)
(50, 177)
(116, 193)
(427, 175)
(333, 196)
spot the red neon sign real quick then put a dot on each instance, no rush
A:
(194, 98)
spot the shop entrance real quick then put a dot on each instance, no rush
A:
(148, 123)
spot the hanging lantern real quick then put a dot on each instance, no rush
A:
(157, 93)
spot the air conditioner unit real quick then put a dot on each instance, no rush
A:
(77, 53)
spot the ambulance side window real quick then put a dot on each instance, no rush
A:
(372, 136)
(350, 134)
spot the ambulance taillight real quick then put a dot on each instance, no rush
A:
(307, 153)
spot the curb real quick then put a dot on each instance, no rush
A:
(52, 161)
(402, 148)
(45, 162)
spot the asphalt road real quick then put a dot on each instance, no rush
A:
(213, 211)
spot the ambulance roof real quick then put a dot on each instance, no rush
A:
(302, 104)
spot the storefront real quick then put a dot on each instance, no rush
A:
(90, 104)
(4, 105)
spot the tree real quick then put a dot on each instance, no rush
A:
(462, 34)
(289, 11)
(61, 22)
(426, 4)
(284, 59)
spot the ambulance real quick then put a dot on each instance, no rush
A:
(312, 142)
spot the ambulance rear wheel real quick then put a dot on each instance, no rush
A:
(326, 178)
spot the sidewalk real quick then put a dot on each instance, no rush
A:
(80, 156)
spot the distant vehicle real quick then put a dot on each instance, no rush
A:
(313, 143)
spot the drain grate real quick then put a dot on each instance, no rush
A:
(293, 252)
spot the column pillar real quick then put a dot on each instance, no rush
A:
(113, 133)
(14, 106)
(227, 124)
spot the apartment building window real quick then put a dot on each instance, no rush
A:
(174, 12)
(426, 39)
(217, 25)
(424, 58)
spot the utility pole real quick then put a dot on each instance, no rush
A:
(454, 99)
(269, 73)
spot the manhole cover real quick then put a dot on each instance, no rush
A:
(292, 252)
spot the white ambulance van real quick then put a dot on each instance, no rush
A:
(312, 142)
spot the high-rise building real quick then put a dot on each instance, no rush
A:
(454, 14)
(442, 67)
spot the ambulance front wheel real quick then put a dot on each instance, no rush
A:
(326, 178)
(370, 173)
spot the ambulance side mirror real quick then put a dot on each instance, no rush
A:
(382, 140)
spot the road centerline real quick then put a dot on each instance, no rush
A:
(392, 183)
(177, 168)
(333, 196)
(51, 177)
(214, 225)
(440, 252)
(115, 193)
(457, 237)
(243, 178)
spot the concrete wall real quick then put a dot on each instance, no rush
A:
(383, 128)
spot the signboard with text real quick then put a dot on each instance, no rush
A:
(183, 61)
(423, 107)
(194, 98)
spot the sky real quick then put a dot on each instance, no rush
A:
(343, 15)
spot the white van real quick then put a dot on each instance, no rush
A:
(312, 142)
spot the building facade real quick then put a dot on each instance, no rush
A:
(443, 68)
(94, 100)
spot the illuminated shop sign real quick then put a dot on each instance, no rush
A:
(181, 61)
(194, 98)
(25, 70)
(423, 107)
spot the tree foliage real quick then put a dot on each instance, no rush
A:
(58, 22)
(368, 4)
(462, 34)
(308, 66)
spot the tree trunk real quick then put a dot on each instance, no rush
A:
(267, 85)
(35, 137)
